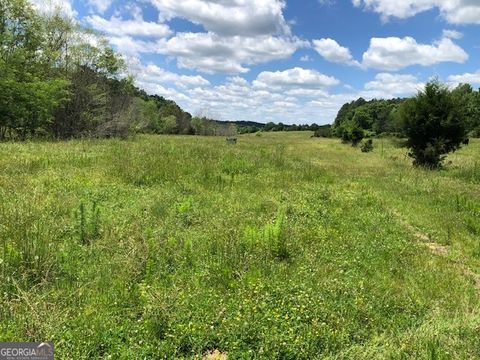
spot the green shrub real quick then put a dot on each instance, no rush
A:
(356, 136)
(272, 237)
(367, 146)
(88, 223)
(351, 133)
(434, 123)
(323, 131)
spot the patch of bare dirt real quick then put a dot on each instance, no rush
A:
(425, 239)
(437, 248)
(215, 355)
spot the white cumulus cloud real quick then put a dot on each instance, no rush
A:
(100, 5)
(211, 53)
(133, 27)
(453, 11)
(452, 34)
(466, 78)
(296, 77)
(229, 17)
(152, 73)
(395, 53)
(334, 52)
(130, 46)
(386, 85)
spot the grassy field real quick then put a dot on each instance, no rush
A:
(281, 247)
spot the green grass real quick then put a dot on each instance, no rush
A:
(281, 247)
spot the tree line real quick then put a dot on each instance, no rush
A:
(245, 127)
(435, 122)
(385, 117)
(59, 80)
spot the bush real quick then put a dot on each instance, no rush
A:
(434, 122)
(367, 146)
(356, 136)
(323, 131)
(351, 133)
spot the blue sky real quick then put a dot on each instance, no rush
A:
(286, 61)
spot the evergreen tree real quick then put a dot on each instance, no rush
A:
(434, 122)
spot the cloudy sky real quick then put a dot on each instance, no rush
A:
(293, 61)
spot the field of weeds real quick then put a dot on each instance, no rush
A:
(280, 247)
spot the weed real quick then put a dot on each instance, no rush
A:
(184, 211)
(88, 223)
(272, 237)
(275, 237)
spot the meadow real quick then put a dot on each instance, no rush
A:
(280, 247)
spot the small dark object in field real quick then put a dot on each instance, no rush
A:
(466, 141)
(231, 140)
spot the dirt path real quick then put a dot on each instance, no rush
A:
(438, 249)
(422, 237)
